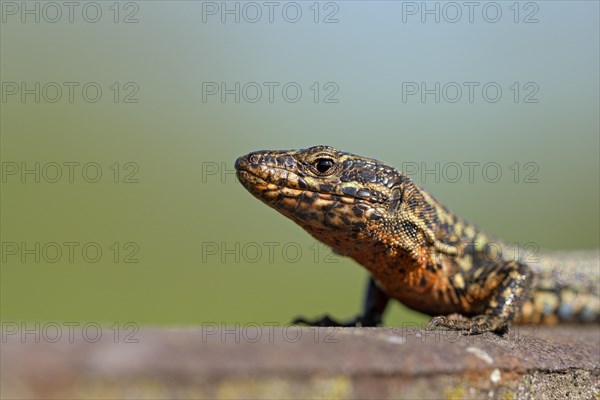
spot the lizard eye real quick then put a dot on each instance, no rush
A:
(324, 165)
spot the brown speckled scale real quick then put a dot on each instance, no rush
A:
(417, 251)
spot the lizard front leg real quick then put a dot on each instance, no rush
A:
(504, 304)
(374, 305)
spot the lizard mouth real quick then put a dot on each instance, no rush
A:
(283, 190)
(265, 189)
(261, 178)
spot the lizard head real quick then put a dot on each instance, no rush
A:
(338, 197)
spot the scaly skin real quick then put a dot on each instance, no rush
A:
(417, 251)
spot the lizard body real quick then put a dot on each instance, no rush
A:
(416, 250)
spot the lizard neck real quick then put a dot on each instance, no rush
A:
(423, 235)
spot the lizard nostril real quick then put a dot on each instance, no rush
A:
(253, 159)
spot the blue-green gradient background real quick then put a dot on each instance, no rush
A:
(173, 136)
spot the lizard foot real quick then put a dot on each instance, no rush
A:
(470, 326)
(326, 320)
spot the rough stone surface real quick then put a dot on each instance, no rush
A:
(345, 363)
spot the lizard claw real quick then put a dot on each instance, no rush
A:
(469, 326)
(323, 321)
(326, 320)
(437, 322)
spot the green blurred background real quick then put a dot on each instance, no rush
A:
(186, 204)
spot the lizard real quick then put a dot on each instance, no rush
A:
(416, 250)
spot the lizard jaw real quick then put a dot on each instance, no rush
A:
(311, 209)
